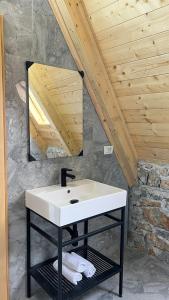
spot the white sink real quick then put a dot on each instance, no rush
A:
(53, 202)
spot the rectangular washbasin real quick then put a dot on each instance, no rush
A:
(94, 198)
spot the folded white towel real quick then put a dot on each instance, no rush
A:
(90, 270)
(73, 263)
(72, 276)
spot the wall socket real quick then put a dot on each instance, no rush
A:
(108, 150)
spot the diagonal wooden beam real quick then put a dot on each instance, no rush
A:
(3, 179)
(74, 23)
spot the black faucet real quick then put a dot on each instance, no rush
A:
(64, 175)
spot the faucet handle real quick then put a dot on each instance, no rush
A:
(66, 169)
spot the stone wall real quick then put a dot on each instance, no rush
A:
(31, 33)
(149, 210)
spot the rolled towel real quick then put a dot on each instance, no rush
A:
(72, 276)
(73, 263)
(90, 270)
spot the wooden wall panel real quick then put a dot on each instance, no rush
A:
(3, 180)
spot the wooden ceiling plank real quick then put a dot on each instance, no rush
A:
(70, 108)
(147, 47)
(138, 139)
(74, 23)
(146, 115)
(161, 142)
(145, 101)
(67, 98)
(94, 5)
(157, 65)
(135, 29)
(154, 129)
(147, 85)
(153, 154)
(122, 11)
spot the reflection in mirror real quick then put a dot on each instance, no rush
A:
(55, 97)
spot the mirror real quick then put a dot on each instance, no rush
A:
(55, 105)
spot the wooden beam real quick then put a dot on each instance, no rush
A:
(3, 179)
(36, 136)
(72, 18)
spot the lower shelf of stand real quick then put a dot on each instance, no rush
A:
(46, 276)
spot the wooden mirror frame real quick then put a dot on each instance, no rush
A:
(3, 179)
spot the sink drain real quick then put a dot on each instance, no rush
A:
(73, 201)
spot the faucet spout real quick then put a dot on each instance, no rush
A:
(71, 176)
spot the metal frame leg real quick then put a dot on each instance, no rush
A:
(121, 252)
(28, 254)
(59, 263)
(86, 239)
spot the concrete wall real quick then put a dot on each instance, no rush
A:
(149, 210)
(31, 33)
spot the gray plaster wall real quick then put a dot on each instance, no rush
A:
(31, 33)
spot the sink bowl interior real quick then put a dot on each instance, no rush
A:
(82, 192)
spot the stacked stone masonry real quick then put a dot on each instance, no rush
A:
(149, 210)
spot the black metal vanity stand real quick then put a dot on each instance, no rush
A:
(53, 282)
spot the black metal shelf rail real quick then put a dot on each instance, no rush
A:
(58, 290)
(79, 238)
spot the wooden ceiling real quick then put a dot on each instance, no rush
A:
(132, 37)
(56, 108)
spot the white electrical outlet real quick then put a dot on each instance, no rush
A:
(108, 150)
